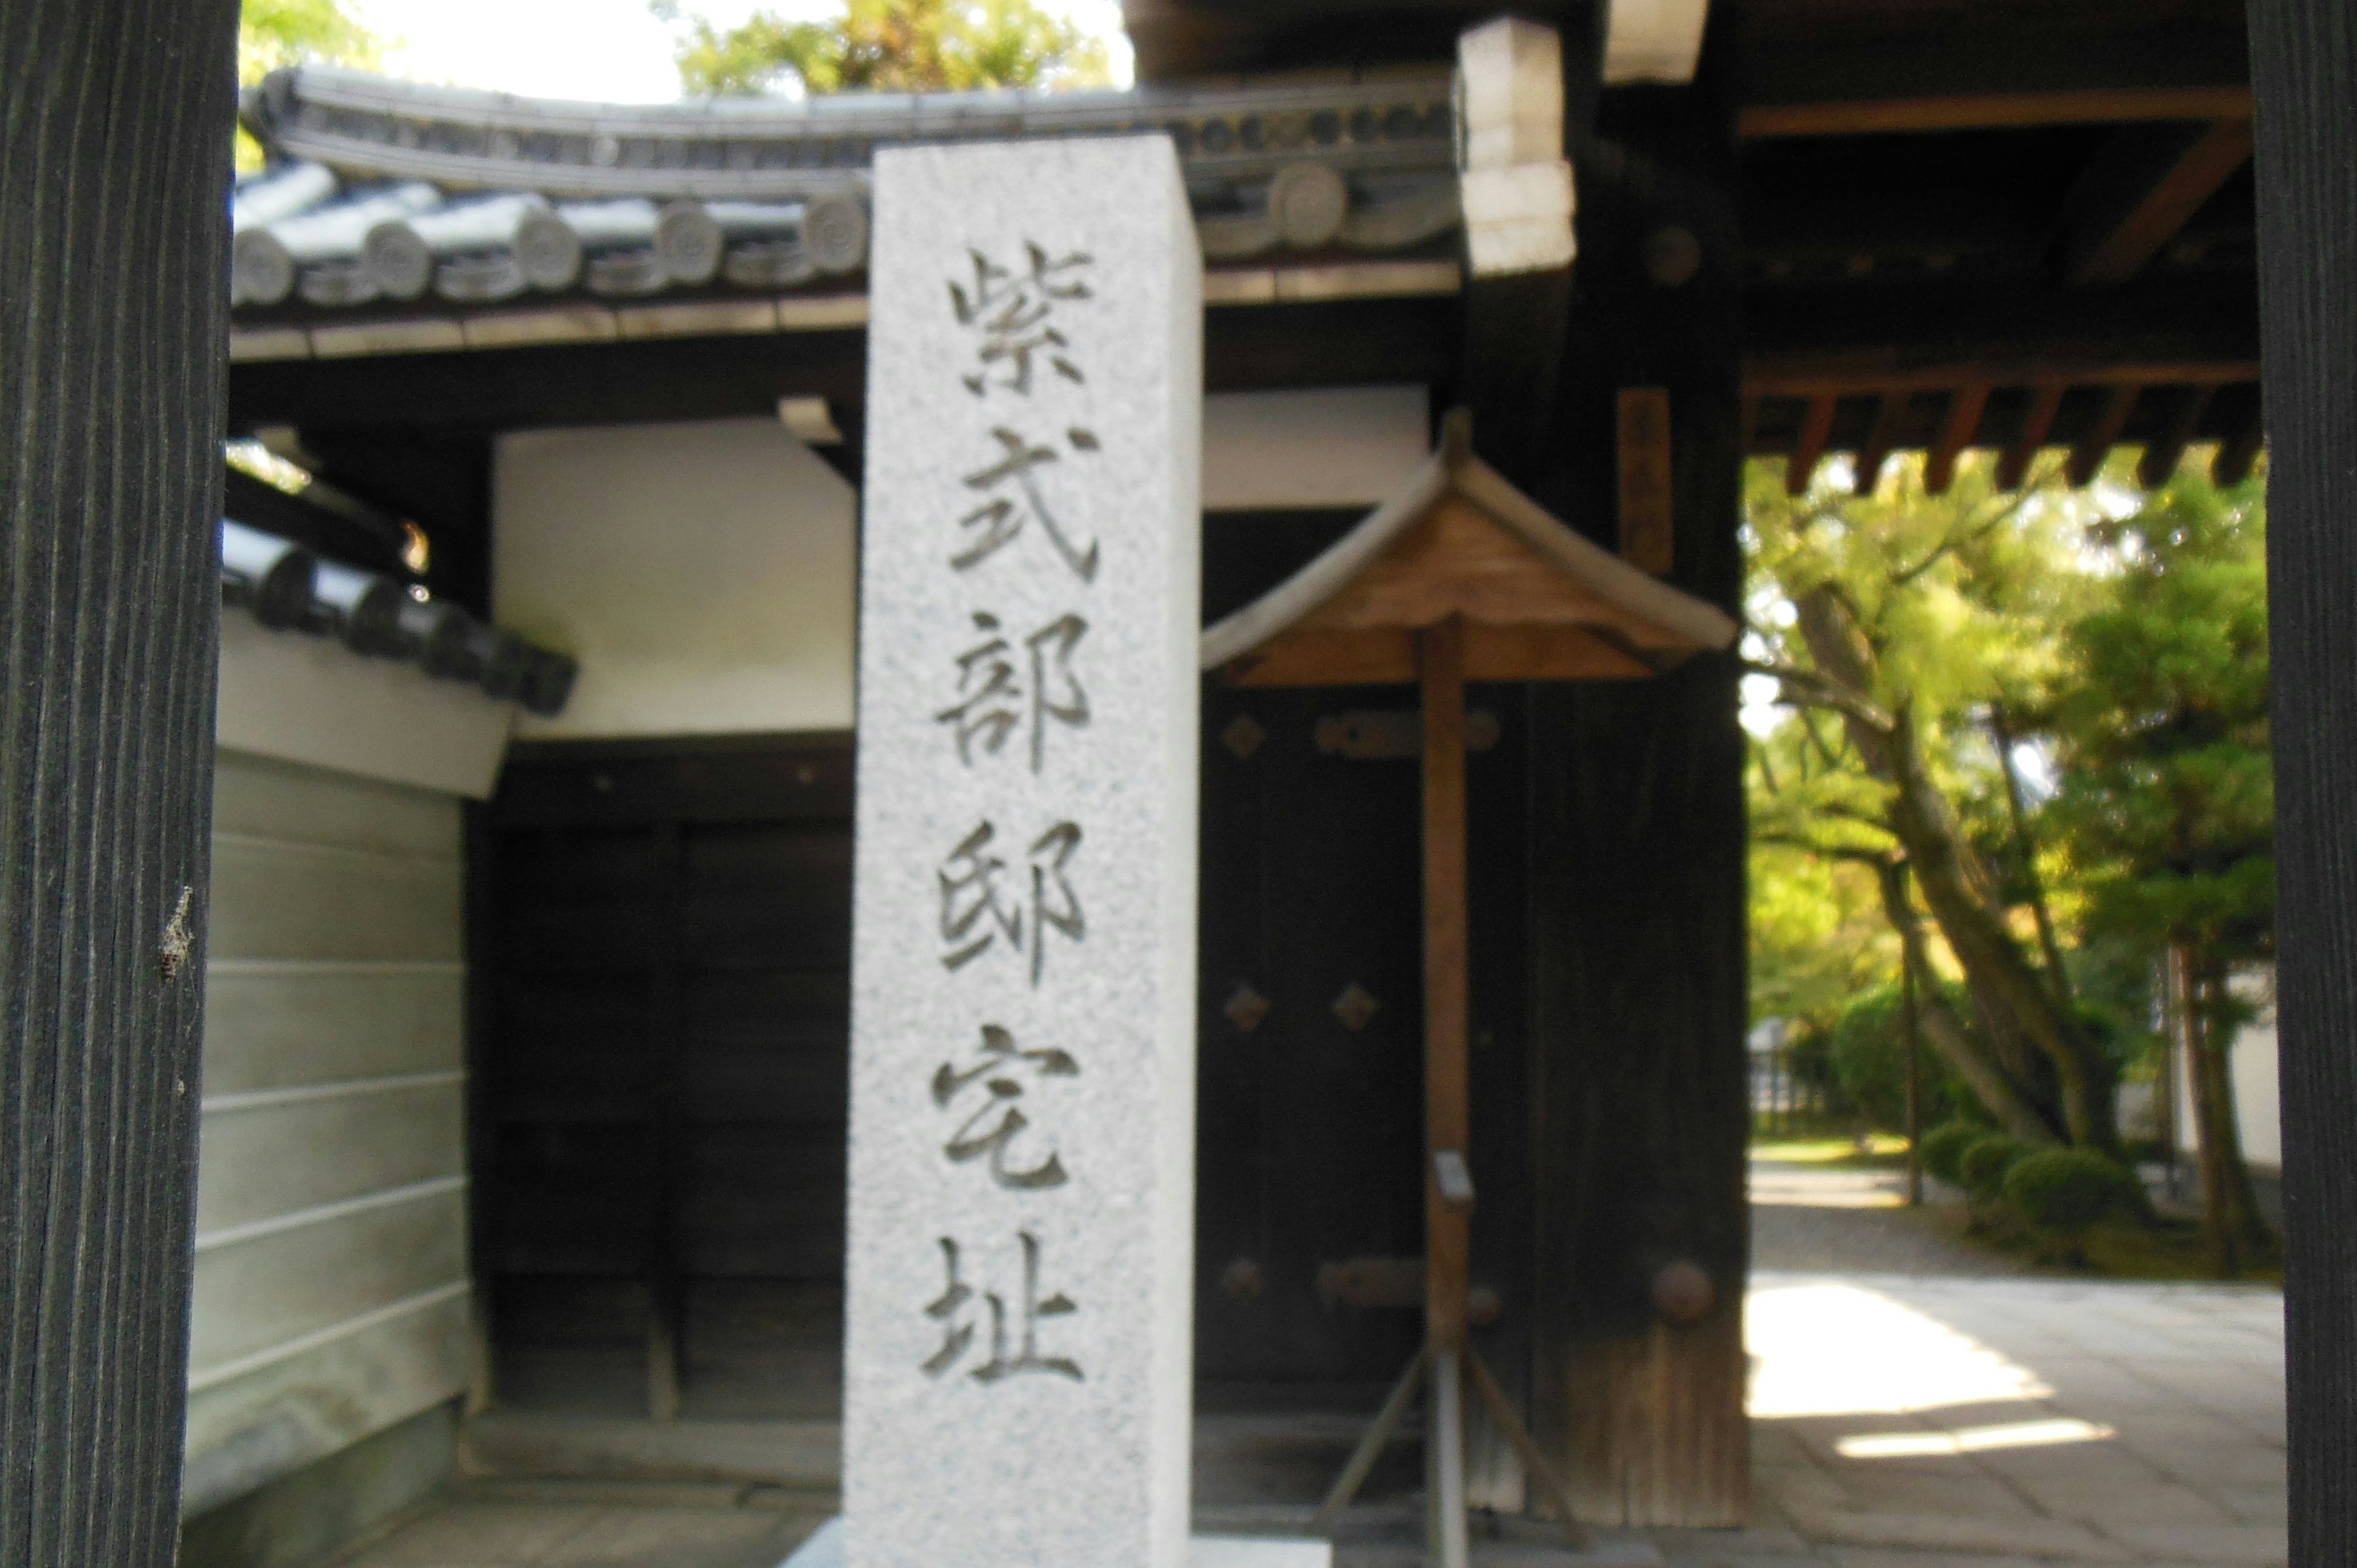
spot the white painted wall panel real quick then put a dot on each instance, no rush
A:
(260, 797)
(267, 1156)
(702, 572)
(310, 700)
(275, 1024)
(1322, 446)
(330, 1298)
(253, 1295)
(248, 1430)
(273, 899)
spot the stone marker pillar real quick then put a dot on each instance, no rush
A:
(1019, 1357)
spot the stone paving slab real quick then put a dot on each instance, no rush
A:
(1900, 1420)
(1970, 1418)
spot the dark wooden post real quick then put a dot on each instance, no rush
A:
(1448, 1078)
(1447, 1116)
(115, 146)
(2304, 57)
(1636, 867)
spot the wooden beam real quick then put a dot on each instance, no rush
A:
(1646, 466)
(1448, 1110)
(2161, 457)
(1882, 435)
(2161, 328)
(1966, 406)
(1817, 429)
(2142, 191)
(1989, 111)
(2087, 456)
(2045, 402)
(1514, 355)
(116, 321)
(1839, 374)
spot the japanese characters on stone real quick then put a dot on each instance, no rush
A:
(1014, 694)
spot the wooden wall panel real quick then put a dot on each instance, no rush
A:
(279, 1026)
(250, 1429)
(260, 796)
(252, 1296)
(283, 900)
(257, 1162)
(333, 1080)
(665, 1068)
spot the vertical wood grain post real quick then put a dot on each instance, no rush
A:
(2304, 61)
(1447, 1113)
(1639, 1078)
(114, 149)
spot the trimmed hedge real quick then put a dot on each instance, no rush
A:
(2068, 1191)
(1942, 1149)
(1985, 1161)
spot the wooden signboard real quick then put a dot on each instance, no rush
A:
(1646, 534)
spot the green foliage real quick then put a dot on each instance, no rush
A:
(1982, 1167)
(2167, 802)
(275, 33)
(2069, 1191)
(1942, 1149)
(892, 46)
(1866, 1045)
(271, 34)
(1818, 936)
(1869, 1055)
(1898, 624)
(1959, 594)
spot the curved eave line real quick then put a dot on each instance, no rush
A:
(1638, 592)
(1692, 622)
(477, 171)
(1334, 569)
(993, 112)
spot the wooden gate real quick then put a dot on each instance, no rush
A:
(664, 935)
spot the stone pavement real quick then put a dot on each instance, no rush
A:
(1942, 1410)
(1918, 1402)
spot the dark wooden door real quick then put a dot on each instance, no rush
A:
(1309, 1195)
(663, 1023)
(663, 1039)
(1309, 1065)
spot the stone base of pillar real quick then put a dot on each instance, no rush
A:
(824, 1550)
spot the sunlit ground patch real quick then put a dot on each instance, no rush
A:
(1971, 1439)
(1823, 1348)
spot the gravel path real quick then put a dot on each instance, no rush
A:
(1814, 1218)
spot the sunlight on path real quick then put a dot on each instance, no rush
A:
(1826, 1348)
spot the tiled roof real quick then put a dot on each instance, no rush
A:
(289, 589)
(389, 194)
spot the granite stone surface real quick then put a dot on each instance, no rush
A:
(1018, 1345)
(824, 1550)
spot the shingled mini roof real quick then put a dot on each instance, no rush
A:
(1538, 602)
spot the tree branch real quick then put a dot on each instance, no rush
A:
(1815, 691)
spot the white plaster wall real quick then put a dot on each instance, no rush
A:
(1322, 446)
(2258, 1102)
(311, 700)
(330, 1298)
(703, 573)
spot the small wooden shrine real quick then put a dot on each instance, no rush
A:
(1461, 577)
